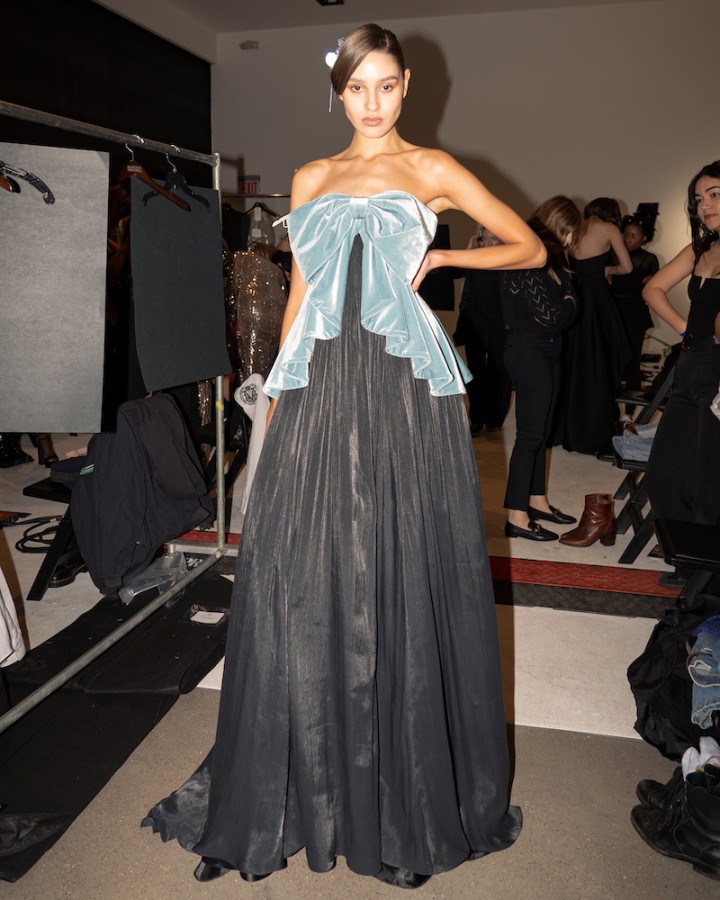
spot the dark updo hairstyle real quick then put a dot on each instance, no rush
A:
(646, 225)
(604, 208)
(552, 222)
(355, 47)
(702, 237)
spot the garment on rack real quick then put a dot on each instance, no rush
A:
(361, 710)
(261, 226)
(235, 227)
(177, 289)
(260, 299)
(52, 290)
(256, 405)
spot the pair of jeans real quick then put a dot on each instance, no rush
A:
(635, 443)
(704, 668)
(533, 363)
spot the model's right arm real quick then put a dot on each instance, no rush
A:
(655, 292)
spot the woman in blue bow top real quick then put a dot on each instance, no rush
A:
(362, 710)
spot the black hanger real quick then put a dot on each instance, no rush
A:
(264, 208)
(133, 169)
(175, 181)
(11, 172)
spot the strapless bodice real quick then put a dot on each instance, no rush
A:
(592, 266)
(396, 229)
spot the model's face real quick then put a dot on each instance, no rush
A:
(707, 197)
(374, 94)
(633, 236)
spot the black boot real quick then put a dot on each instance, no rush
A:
(689, 829)
(661, 796)
(11, 454)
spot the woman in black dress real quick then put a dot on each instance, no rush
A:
(683, 473)
(361, 711)
(598, 348)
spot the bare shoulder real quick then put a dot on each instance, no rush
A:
(607, 228)
(443, 178)
(432, 162)
(308, 180)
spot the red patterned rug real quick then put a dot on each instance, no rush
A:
(612, 579)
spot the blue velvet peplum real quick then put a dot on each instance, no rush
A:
(396, 229)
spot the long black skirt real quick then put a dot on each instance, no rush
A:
(361, 711)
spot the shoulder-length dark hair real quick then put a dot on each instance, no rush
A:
(552, 222)
(355, 47)
(604, 208)
(702, 237)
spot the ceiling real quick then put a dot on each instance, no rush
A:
(251, 15)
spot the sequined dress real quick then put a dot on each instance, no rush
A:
(361, 711)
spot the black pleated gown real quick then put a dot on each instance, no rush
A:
(361, 711)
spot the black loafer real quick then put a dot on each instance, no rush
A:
(533, 532)
(559, 518)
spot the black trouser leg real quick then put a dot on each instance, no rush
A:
(533, 363)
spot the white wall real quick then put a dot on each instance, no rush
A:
(609, 100)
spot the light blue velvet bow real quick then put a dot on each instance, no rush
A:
(396, 229)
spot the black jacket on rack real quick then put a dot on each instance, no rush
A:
(142, 486)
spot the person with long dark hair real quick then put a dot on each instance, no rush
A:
(361, 711)
(537, 305)
(597, 347)
(683, 474)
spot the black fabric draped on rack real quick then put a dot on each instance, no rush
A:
(177, 288)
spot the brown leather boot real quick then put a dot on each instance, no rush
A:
(597, 523)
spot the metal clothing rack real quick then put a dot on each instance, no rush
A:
(210, 159)
(227, 196)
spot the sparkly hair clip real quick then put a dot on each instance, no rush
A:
(330, 60)
(332, 55)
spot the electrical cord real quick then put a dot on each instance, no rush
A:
(34, 541)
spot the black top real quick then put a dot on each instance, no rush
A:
(628, 288)
(533, 302)
(704, 305)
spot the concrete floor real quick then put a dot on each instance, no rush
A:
(576, 792)
(577, 758)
